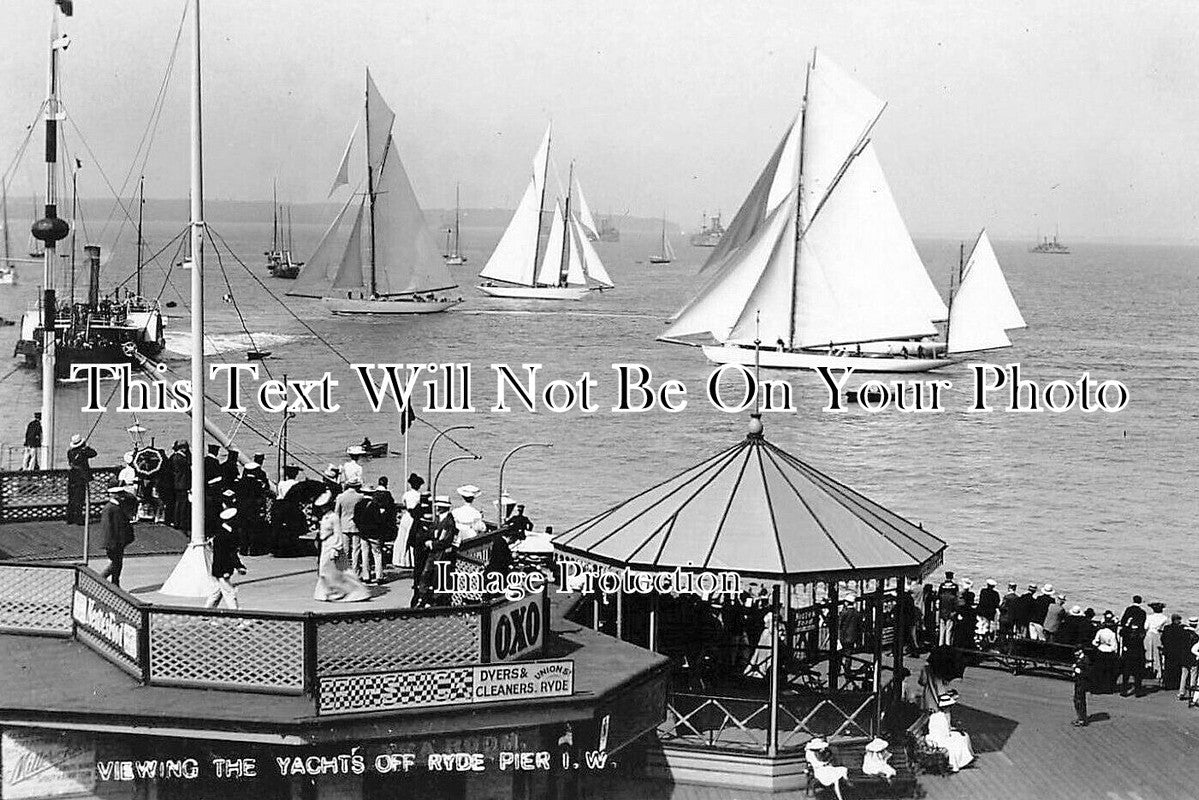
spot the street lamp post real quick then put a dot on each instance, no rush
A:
(471, 457)
(436, 439)
(499, 502)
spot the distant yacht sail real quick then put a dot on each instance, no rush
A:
(665, 253)
(818, 261)
(388, 263)
(453, 238)
(569, 261)
(982, 310)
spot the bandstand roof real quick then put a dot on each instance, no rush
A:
(761, 512)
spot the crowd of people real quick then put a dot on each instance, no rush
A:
(363, 533)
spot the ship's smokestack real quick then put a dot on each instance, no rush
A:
(91, 253)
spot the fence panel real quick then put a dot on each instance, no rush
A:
(353, 644)
(108, 621)
(36, 599)
(243, 652)
(42, 494)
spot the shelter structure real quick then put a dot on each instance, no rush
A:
(802, 648)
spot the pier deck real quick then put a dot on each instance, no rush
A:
(1134, 749)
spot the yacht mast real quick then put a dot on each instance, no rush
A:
(50, 230)
(541, 204)
(803, 128)
(370, 181)
(141, 205)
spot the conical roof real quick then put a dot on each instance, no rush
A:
(759, 511)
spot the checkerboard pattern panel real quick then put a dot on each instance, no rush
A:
(388, 691)
(36, 599)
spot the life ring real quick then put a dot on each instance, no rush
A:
(148, 461)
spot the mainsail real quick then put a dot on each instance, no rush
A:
(388, 251)
(818, 254)
(514, 259)
(584, 212)
(983, 309)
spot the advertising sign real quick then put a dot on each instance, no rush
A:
(45, 764)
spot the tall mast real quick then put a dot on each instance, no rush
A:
(141, 204)
(289, 245)
(50, 230)
(274, 216)
(564, 261)
(197, 290)
(541, 205)
(457, 220)
(370, 181)
(74, 229)
(803, 128)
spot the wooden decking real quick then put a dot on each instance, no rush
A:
(1134, 749)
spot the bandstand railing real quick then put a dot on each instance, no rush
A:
(243, 650)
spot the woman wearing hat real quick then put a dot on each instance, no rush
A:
(335, 581)
(826, 773)
(225, 561)
(941, 733)
(1154, 622)
(401, 552)
(876, 760)
(468, 518)
(1107, 655)
(79, 462)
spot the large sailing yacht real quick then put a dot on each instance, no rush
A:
(387, 264)
(569, 259)
(818, 267)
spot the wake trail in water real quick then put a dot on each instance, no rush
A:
(557, 313)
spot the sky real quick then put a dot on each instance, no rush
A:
(1016, 116)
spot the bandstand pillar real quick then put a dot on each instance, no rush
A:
(834, 641)
(772, 740)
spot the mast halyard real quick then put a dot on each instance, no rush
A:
(549, 141)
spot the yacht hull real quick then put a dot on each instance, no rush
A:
(535, 292)
(385, 308)
(776, 359)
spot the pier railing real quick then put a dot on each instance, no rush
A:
(261, 651)
(42, 494)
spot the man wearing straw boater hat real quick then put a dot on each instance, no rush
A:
(79, 462)
(116, 529)
(351, 470)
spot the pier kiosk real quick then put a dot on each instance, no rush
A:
(810, 646)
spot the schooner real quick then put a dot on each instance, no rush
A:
(818, 267)
(569, 259)
(387, 264)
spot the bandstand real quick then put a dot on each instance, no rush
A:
(813, 643)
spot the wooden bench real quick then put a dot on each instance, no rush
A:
(850, 754)
(1027, 655)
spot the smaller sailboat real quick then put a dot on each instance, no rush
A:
(453, 240)
(286, 266)
(665, 251)
(388, 264)
(569, 260)
(982, 310)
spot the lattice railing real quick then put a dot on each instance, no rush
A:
(347, 644)
(743, 724)
(42, 494)
(36, 599)
(248, 652)
(109, 621)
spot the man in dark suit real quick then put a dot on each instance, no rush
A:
(212, 464)
(116, 529)
(180, 464)
(988, 604)
(1023, 612)
(1007, 612)
(947, 606)
(1176, 645)
(1082, 684)
(1134, 616)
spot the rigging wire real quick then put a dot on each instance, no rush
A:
(316, 334)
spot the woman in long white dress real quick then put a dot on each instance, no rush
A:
(335, 581)
(823, 769)
(876, 760)
(941, 734)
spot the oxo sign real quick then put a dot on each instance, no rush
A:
(517, 628)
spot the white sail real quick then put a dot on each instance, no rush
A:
(584, 212)
(514, 258)
(550, 273)
(592, 266)
(982, 268)
(406, 260)
(343, 170)
(721, 302)
(316, 277)
(349, 272)
(379, 118)
(576, 275)
(667, 249)
(983, 308)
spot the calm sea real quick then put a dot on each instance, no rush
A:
(1101, 505)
